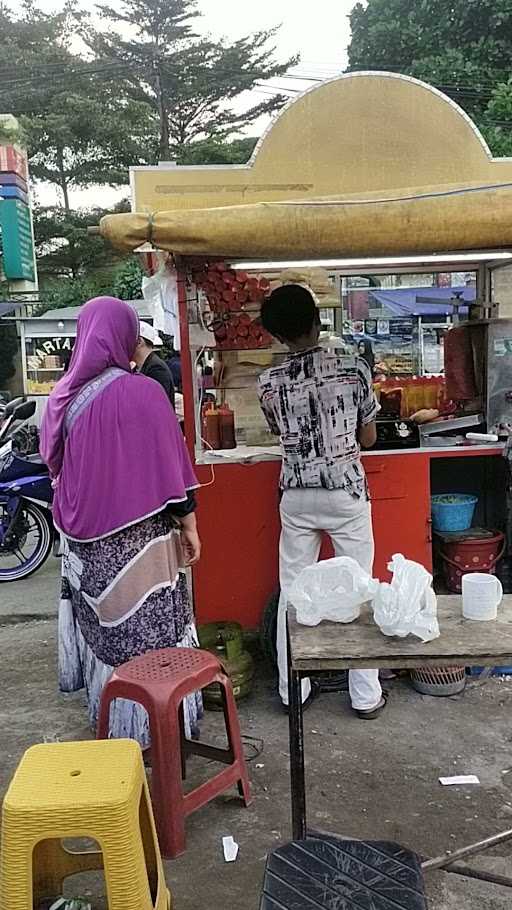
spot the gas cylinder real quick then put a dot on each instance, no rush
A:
(225, 640)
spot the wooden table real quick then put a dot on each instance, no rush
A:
(362, 646)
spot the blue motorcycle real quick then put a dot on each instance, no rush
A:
(27, 533)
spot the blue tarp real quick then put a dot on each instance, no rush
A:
(404, 301)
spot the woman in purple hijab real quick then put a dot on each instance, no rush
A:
(124, 505)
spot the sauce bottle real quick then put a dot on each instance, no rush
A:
(212, 428)
(227, 427)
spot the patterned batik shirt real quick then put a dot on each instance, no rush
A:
(315, 401)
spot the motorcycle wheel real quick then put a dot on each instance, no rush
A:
(38, 525)
(268, 629)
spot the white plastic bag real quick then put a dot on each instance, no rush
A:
(407, 606)
(333, 589)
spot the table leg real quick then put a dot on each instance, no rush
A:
(297, 776)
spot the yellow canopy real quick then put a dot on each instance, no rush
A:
(430, 219)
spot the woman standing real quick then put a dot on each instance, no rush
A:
(365, 351)
(124, 505)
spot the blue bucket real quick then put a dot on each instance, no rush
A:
(453, 511)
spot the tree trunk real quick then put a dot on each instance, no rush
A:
(165, 148)
(67, 208)
(63, 180)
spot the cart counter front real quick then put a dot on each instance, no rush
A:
(239, 520)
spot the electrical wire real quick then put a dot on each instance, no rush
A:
(61, 72)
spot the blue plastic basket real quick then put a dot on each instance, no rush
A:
(456, 515)
(497, 671)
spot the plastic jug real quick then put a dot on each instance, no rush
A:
(481, 596)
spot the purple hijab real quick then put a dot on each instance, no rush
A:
(125, 457)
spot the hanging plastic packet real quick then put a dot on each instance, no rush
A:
(407, 606)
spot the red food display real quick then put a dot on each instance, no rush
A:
(233, 297)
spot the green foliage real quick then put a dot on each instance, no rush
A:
(66, 293)
(127, 281)
(189, 82)
(86, 137)
(93, 100)
(211, 151)
(64, 248)
(80, 127)
(11, 132)
(462, 47)
(8, 349)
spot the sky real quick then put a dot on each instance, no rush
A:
(319, 33)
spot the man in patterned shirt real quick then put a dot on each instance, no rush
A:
(323, 407)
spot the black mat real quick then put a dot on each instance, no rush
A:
(327, 873)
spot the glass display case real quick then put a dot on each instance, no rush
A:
(404, 317)
(45, 358)
(391, 320)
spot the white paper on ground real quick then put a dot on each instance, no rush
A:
(64, 903)
(459, 780)
(230, 848)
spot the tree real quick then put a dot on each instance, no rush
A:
(81, 128)
(190, 82)
(123, 281)
(86, 138)
(462, 47)
(8, 351)
(211, 151)
(64, 248)
(127, 280)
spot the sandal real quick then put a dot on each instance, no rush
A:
(375, 712)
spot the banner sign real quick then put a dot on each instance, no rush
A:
(16, 240)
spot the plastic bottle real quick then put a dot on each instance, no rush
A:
(431, 392)
(212, 428)
(227, 427)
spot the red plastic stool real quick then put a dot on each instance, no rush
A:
(159, 681)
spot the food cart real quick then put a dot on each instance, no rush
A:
(319, 202)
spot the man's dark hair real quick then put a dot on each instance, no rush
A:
(290, 312)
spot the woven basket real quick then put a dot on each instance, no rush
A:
(440, 681)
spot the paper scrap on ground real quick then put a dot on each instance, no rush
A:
(230, 848)
(459, 780)
(71, 904)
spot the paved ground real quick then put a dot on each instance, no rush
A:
(35, 597)
(366, 780)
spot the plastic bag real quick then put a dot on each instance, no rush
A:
(77, 903)
(333, 589)
(407, 606)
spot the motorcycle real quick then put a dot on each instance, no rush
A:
(27, 533)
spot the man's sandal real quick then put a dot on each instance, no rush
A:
(375, 712)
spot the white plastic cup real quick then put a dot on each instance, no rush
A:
(481, 596)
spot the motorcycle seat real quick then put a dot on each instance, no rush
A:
(35, 459)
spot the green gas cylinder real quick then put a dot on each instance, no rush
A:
(225, 640)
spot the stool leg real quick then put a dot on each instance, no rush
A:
(183, 742)
(149, 840)
(167, 790)
(16, 889)
(103, 727)
(235, 737)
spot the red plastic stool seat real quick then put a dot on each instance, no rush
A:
(159, 681)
